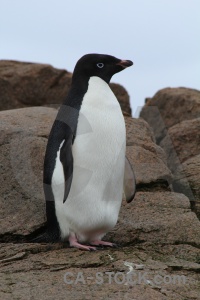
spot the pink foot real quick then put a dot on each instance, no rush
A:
(74, 243)
(102, 243)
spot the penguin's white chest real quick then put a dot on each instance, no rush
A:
(95, 196)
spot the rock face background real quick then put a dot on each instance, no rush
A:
(174, 116)
(27, 84)
(158, 234)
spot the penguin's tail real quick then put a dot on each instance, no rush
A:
(42, 238)
(45, 237)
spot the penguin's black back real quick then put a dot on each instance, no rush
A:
(64, 128)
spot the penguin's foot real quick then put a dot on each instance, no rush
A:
(74, 243)
(102, 243)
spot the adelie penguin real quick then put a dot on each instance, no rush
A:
(85, 168)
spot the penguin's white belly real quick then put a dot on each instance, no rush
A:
(93, 204)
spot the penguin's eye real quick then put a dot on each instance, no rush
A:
(100, 65)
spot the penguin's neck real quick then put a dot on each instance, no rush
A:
(97, 86)
(76, 93)
(99, 95)
(79, 88)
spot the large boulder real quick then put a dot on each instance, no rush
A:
(170, 106)
(158, 217)
(23, 138)
(187, 180)
(148, 159)
(29, 84)
(174, 116)
(182, 142)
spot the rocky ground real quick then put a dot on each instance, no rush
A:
(158, 234)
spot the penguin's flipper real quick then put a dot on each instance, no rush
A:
(59, 148)
(129, 181)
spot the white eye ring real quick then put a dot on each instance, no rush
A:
(100, 65)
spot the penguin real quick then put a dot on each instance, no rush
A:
(85, 166)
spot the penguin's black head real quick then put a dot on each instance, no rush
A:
(101, 65)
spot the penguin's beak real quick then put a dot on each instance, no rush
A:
(125, 63)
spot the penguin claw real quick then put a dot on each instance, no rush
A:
(115, 245)
(83, 247)
(92, 248)
(74, 243)
(103, 244)
(99, 247)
